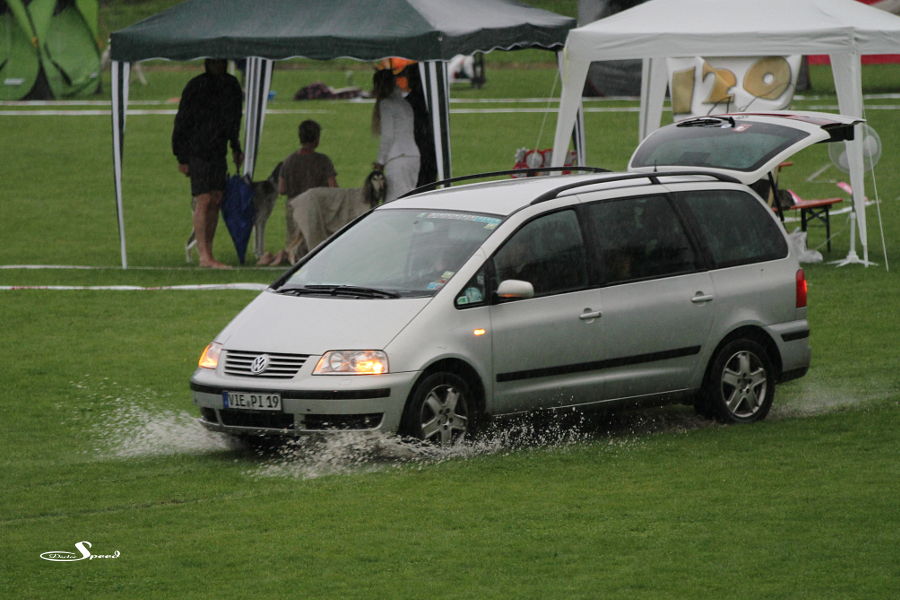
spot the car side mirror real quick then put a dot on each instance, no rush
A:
(514, 289)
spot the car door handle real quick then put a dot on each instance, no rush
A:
(589, 315)
(700, 298)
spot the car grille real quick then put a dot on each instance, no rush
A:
(240, 418)
(324, 422)
(285, 422)
(281, 366)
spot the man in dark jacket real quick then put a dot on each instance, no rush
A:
(208, 119)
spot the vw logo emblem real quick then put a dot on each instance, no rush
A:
(259, 364)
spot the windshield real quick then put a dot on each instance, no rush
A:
(393, 253)
(715, 143)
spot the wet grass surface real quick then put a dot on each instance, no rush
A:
(653, 503)
(101, 445)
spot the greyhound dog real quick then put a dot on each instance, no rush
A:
(265, 193)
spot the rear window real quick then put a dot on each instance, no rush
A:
(737, 228)
(744, 147)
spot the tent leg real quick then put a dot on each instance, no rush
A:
(852, 257)
(847, 74)
(259, 79)
(578, 134)
(654, 81)
(574, 74)
(437, 94)
(119, 90)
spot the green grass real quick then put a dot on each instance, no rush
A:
(98, 442)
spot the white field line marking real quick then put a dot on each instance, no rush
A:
(79, 102)
(454, 111)
(27, 103)
(133, 112)
(119, 268)
(132, 288)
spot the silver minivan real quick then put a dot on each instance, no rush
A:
(673, 281)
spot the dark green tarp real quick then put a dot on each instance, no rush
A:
(328, 29)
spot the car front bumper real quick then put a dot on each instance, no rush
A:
(311, 405)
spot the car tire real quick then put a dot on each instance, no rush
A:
(740, 383)
(702, 406)
(441, 410)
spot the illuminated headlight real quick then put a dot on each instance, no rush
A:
(352, 362)
(210, 357)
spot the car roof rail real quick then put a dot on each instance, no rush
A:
(521, 172)
(653, 177)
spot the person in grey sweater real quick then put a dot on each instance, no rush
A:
(393, 121)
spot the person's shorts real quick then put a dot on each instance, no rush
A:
(207, 174)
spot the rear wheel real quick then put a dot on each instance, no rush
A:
(740, 385)
(441, 410)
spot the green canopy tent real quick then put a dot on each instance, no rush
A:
(48, 49)
(429, 31)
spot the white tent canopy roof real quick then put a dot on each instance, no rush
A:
(660, 29)
(668, 28)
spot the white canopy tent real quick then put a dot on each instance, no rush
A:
(660, 29)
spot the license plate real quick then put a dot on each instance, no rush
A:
(252, 400)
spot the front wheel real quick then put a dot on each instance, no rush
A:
(740, 385)
(441, 410)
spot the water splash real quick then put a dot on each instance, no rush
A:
(354, 452)
(134, 431)
(815, 397)
(128, 423)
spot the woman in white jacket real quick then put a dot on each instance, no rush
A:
(392, 119)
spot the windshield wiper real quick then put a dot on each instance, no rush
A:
(296, 291)
(706, 122)
(339, 290)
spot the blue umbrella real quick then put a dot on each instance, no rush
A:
(238, 212)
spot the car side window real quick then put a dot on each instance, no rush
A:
(475, 292)
(547, 252)
(638, 238)
(735, 226)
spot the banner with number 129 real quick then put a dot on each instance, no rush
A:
(701, 86)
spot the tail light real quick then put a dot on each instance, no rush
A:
(802, 288)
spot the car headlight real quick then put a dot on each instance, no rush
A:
(210, 357)
(352, 362)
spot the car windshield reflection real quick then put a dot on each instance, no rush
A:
(394, 253)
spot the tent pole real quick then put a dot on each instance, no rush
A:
(251, 90)
(437, 94)
(119, 90)
(259, 80)
(847, 74)
(578, 134)
(653, 92)
(574, 74)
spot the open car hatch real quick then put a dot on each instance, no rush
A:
(746, 146)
